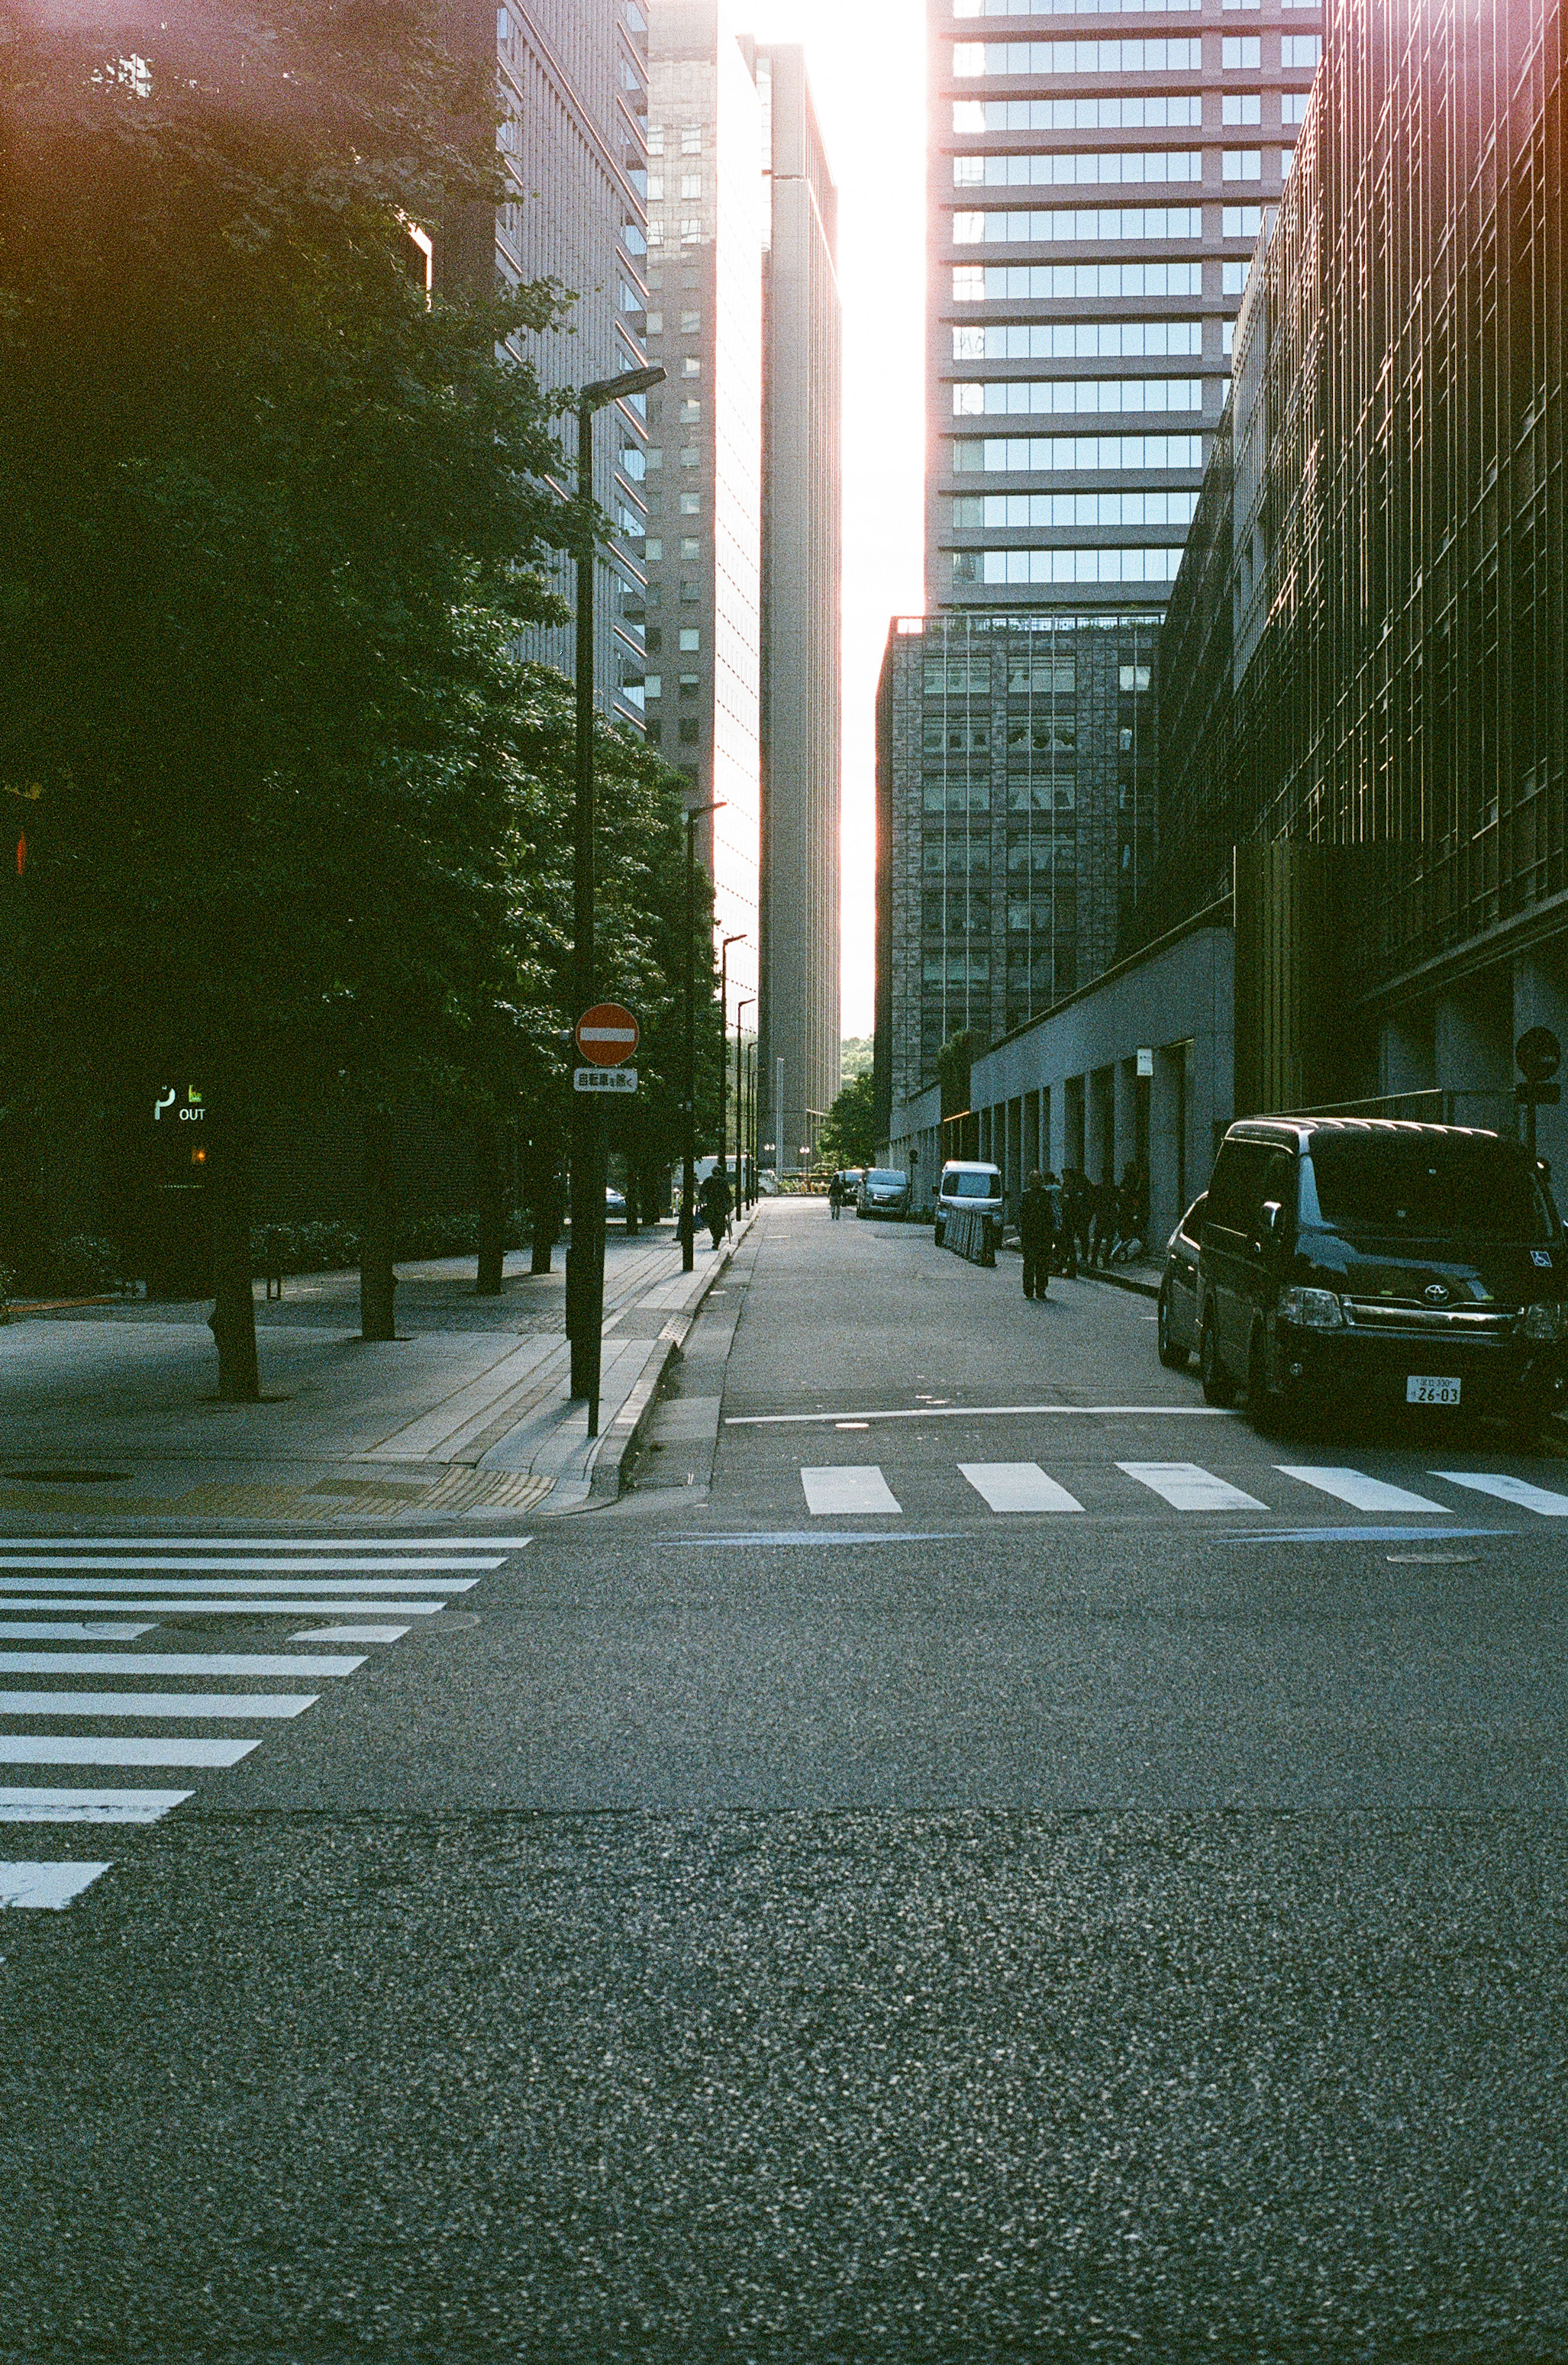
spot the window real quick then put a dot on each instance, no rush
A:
(1000, 567)
(691, 455)
(1134, 112)
(691, 184)
(1242, 107)
(1035, 395)
(690, 638)
(691, 139)
(654, 734)
(1227, 337)
(690, 410)
(689, 592)
(1139, 222)
(656, 324)
(691, 324)
(974, 58)
(1241, 222)
(957, 677)
(655, 595)
(690, 731)
(1243, 164)
(1021, 454)
(691, 230)
(1287, 158)
(692, 505)
(653, 640)
(1043, 674)
(1065, 167)
(691, 547)
(1059, 511)
(1292, 106)
(691, 367)
(655, 189)
(656, 140)
(1043, 281)
(1240, 50)
(689, 685)
(652, 686)
(654, 553)
(1233, 278)
(1300, 49)
(1135, 677)
(653, 457)
(1067, 338)
(1068, 7)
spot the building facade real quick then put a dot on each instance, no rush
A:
(801, 571)
(703, 558)
(1363, 728)
(572, 80)
(1097, 179)
(1014, 800)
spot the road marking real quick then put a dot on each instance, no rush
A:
(412, 1543)
(65, 1630)
(979, 1412)
(1362, 1492)
(136, 1749)
(1187, 1488)
(817, 1539)
(21, 1806)
(51, 1885)
(213, 1606)
(174, 1663)
(351, 1634)
(1509, 1490)
(1018, 1487)
(156, 1564)
(849, 1487)
(1357, 1535)
(370, 1588)
(239, 1708)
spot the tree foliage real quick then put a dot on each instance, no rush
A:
(849, 1137)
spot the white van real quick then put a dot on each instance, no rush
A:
(978, 1189)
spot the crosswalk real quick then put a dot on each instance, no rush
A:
(861, 1489)
(71, 1592)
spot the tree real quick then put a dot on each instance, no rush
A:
(849, 1137)
(269, 525)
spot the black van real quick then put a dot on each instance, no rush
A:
(1368, 1262)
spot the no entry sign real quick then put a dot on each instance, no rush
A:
(606, 1034)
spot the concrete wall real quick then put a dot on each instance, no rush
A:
(914, 1144)
(1078, 1069)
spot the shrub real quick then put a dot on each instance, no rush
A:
(85, 1267)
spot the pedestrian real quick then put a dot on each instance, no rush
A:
(714, 1201)
(835, 1194)
(1106, 1218)
(1061, 1258)
(1036, 1235)
(1079, 1209)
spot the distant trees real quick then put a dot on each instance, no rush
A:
(849, 1137)
(270, 524)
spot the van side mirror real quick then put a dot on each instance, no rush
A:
(1272, 1222)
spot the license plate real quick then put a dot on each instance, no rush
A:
(1419, 1389)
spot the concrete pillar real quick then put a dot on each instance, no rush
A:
(1032, 1152)
(1472, 1049)
(1013, 1179)
(1100, 1126)
(1075, 1127)
(1123, 1085)
(1046, 1157)
(1168, 1194)
(1406, 1059)
(1540, 999)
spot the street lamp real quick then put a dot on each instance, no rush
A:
(724, 1031)
(740, 1104)
(585, 1258)
(688, 1164)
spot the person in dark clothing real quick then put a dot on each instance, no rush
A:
(1075, 1218)
(1036, 1235)
(1107, 1223)
(714, 1201)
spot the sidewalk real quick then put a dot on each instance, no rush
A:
(112, 1410)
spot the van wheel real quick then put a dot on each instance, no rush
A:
(1218, 1386)
(1174, 1357)
(1264, 1410)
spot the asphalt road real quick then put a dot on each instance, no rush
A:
(735, 1927)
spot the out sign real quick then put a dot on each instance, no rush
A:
(606, 1034)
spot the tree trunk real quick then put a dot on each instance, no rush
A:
(233, 1317)
(377, 1279)
(543, 1188)
(634, 1152)
(490, 1177)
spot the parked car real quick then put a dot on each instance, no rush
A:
(1377, 1262)
(884, 1191)
(1178, 1309)
(614, 1201)
(969, 1183)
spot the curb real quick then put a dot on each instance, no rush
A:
(621, 1440)
(1119, 1279)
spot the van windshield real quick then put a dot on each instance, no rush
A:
(970, 1186)
(1429, 1189)
(885, 1175)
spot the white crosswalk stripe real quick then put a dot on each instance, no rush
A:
(175, 1662)
(853, 1487)
(53, 1885)
(1186, 1488)
(130, 1749)
(227, 1605)
(479, 1550)
(1362, 1492)
(351, 1633)
(221, 1579)
(236, 1708)
(1017, 1486)
(62, 1629)
(1504, 1489)
(41, 1806)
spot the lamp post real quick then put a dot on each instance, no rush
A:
(688, 1164)
(723, 1042)
(740, 1106)
(585, 1258)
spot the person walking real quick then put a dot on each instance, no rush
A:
(1036, 1235)
(835, 1194)
(714, 1199)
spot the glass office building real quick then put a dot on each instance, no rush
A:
(1097, 175)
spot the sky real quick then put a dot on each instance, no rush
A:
(865, 61)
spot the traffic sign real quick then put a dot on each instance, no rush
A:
(606, 1034)
(604, 1079)
(1539, 1053)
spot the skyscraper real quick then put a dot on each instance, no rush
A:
(802, 565)
(704, 460)
(1095, 190)
(572, 83)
